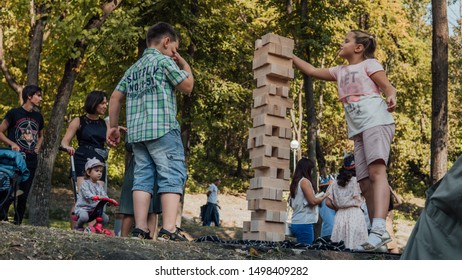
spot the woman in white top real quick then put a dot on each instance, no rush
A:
(304, 202)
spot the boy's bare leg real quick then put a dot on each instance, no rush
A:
(141, 202)
(152, 224)
(170, 203)
(127, 223)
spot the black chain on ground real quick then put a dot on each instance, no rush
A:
(319, 244)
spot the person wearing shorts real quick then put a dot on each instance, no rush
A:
(148, 87)
(126, 199)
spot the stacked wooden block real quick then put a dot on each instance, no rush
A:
(269, 139)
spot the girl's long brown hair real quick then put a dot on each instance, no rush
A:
(304, 169)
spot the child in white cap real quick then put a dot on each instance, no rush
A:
(86, 202)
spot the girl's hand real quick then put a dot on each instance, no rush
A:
(391, 102)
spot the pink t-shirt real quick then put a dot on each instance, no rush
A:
(361, 97)
(354, 80)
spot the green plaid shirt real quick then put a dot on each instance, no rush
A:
(149, 87)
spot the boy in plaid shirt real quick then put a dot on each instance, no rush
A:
(148, 87)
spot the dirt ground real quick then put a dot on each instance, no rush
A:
(27, 242)
(234, 211)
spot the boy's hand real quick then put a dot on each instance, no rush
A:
(180, 61)
(113, 136)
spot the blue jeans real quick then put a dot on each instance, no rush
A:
(160, 161)
(211, 215)
(303, 232)
(327, 216)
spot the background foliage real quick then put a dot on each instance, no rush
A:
(218, 40)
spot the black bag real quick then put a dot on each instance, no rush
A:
(203, 210)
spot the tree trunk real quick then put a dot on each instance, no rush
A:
(439, 149)
(36, 42)
(309, 96)
(41, 186)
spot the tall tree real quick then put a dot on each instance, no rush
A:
(439, 149)
(41, 186)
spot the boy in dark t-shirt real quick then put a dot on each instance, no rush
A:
(21, 129)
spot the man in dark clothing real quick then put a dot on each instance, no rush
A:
(23, 127)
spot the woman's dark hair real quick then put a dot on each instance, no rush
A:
(304, 168)
(160, 30)
(344, 176)
(347, 171)
(94, 98)
(29, 90)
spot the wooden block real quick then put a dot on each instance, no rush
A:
(269, 151)
(267, 182)
(254, 236)
(272, 110)
(288, 133)
(265, 119)
(274, 70)
(282, 91)
(273, 172)
(257, 225)
(271, 131)
(267, 193)
(264, 80)
(269, 216)
(246, 226)
(260, 151)
(269, 89)
(268, 58)
(263, 204)
(274, 49)
(265, 162)
(270, 100)
(280, 40)
(264, 236)
(268, 135)
(273, 141)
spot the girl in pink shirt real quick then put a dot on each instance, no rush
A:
(370, 123)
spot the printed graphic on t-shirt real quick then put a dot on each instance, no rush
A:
(351, 84)
(26, 134)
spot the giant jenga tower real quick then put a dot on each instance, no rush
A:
(269, 139)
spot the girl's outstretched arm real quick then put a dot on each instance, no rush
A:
(310, 70)
(380, 78)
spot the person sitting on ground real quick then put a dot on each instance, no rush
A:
(211, 212)
(90, 188)
(344, 196)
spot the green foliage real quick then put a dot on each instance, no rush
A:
(217, 38)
